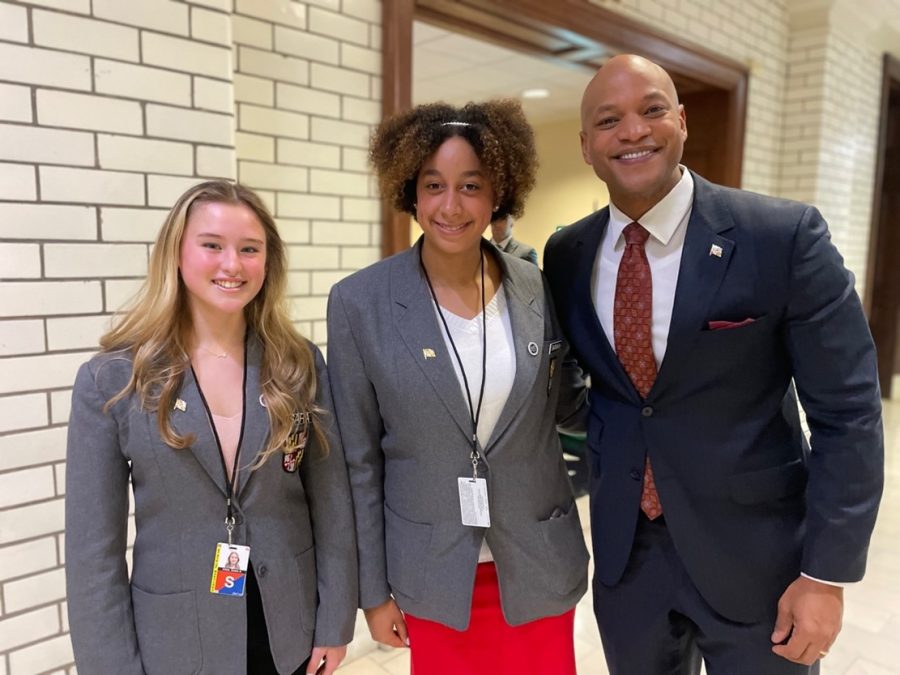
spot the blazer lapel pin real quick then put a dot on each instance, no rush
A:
(428, 353)
(715, 250)
(180, 405)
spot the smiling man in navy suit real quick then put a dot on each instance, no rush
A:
(719, 533)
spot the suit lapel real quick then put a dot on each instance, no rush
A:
(190, 418)
(414, 316)
(527, 322)
(704, 262)
(256, 420)
(195, 420)
(588, 323)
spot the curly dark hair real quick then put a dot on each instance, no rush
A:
(497, 130)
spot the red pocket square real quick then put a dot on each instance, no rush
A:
(725, 325)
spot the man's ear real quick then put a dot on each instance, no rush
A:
(585, 155)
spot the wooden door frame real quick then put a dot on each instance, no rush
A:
(578, 17)
(890, 73)
(881, 259)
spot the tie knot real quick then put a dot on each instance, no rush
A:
(635, 233)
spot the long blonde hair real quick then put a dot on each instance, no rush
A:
(155, 326)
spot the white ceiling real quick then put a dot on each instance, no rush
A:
(457, 69)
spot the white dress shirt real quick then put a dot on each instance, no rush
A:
(667, 224)
(500, 369)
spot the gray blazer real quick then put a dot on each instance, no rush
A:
(164, 618)
(405, 427)
(520, 250)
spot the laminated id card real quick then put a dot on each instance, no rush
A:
(473, 502)
(229, 576)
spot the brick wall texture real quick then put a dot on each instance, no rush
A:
(110, 109)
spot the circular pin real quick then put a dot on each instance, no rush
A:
(262, 401)
(533, 348)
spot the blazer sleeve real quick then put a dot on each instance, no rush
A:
(361, 428)
(572, 406)
(825, 324)
(327, 488)
(101, 619)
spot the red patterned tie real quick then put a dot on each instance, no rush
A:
(632, 325)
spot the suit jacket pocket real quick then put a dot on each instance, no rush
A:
(306, 578)
(407, 545)
(566, 554)
(167, 631)
(765, 485)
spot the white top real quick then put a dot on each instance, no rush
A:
(667, 224)
(228, 430)
(500, 369)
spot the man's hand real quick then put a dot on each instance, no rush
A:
(386, 624)
(329, 658)
(809, 613)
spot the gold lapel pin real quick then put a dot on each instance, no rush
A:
(715, 250)
(180, 405)
(428, 353)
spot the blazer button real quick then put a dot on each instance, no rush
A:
(262, 571)
(647, 411)
(635, 474)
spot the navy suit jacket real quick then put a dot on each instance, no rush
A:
(747, 504)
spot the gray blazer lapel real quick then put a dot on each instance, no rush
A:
(702, 270)
(414, 316)
(527, 321)
(256, 421)
(194, 420)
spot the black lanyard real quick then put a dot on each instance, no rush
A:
(474, 413)
(229, 483)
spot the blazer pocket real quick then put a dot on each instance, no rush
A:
(168, 632)
(407, 545)
(747, 325)
(309, 591)
(766, 485)
(565, 552)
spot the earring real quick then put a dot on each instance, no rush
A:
(415, 207)
(496, 208)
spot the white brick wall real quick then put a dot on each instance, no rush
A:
(108, 111)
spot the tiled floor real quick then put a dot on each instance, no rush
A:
(868, 645)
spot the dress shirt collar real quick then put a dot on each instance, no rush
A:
(663, 219)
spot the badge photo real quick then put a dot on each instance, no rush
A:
(229, 575)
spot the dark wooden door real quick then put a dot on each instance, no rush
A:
(883, 290)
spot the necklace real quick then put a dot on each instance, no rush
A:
(218, 355)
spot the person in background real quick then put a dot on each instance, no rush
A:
(718, 535)
(205, 397)
(449, 375)
(501, 235)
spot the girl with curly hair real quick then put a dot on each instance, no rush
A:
(450, 374)
(205, 397)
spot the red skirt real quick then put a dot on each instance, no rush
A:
(490, 646)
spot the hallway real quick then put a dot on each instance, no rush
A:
(868, 644)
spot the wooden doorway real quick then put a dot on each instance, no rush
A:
(576, 33)
(883, 282)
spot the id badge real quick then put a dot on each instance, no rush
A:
(473, 502)
(229, 576)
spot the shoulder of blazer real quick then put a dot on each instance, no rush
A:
(523, 274)
(375, 276)
(568, 236)
(758, 213)
(110, 370)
